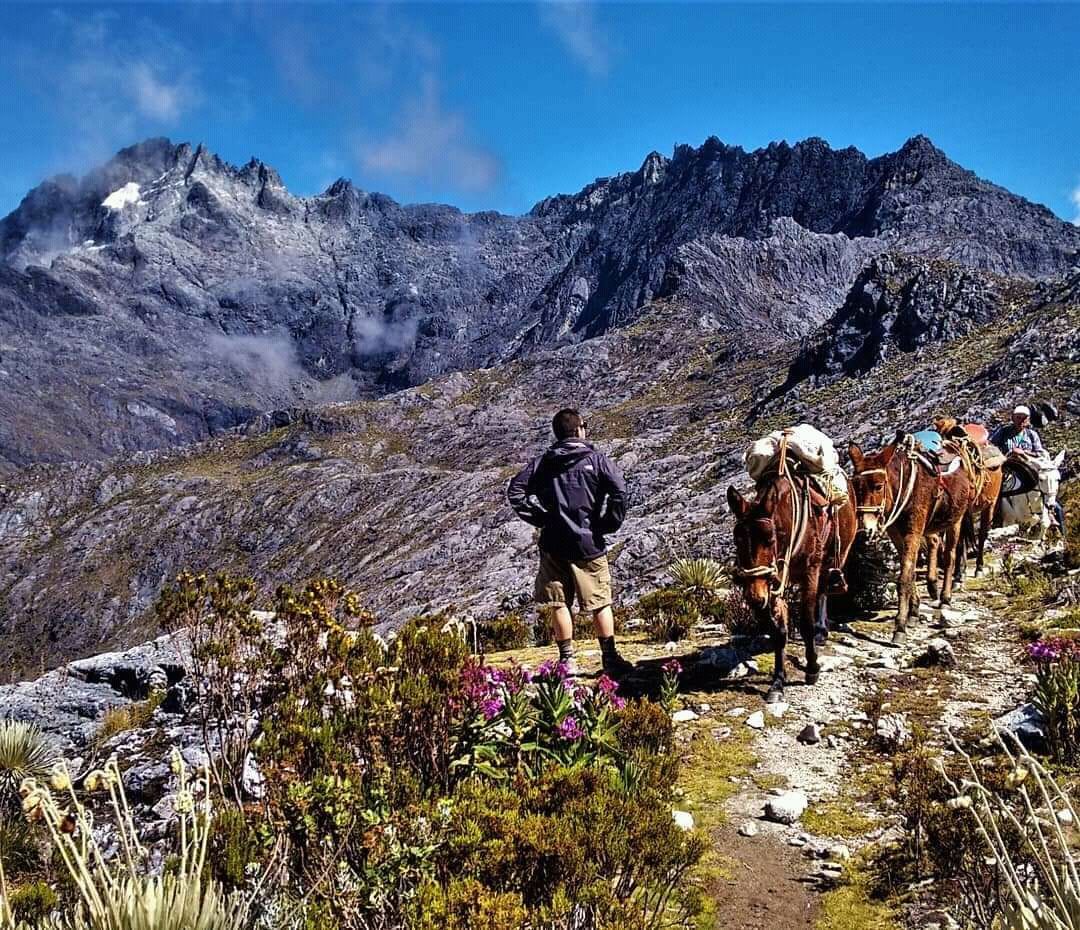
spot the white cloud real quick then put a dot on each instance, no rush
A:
(430, 144)
(110, 81)
(154, 97)
(574, 24)
(1076, 204)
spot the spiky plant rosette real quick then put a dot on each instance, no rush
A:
(702, 578)
(25, 752)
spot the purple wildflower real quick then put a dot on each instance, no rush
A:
(672, 667)
(570, 729)
(491, 707)
(617, 702)
(606, 685)
(474, 681)
(544, 669)
(1044, 651)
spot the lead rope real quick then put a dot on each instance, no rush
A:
(799, 511)
(900, 503)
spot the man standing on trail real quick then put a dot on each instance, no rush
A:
(1018, 434)
(576, 496)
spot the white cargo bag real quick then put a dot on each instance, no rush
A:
(809, 446)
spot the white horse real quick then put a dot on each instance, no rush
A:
(1036, 507)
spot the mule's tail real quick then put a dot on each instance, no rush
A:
(968, 537)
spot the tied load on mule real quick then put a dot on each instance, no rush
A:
(797, 532)
(983, 463)
(906, 494)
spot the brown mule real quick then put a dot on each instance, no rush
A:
(788, 535)
(901, 493)
(987, 487)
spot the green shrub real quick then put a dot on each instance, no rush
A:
(669, 614)
(703, 580)
(20, 846)
(25, 752)
(33, 902)
(938, 842)
(506, 631)
(124, 718)
(870, 569)
(409, 786)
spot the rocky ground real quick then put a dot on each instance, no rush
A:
(788, 793)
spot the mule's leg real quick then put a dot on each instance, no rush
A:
(806, 624)
(933, 547)
(952, 541)
(985, 517)
(821, 623)
(908, 547)
(780, 625)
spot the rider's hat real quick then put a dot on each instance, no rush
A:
(1020, 408)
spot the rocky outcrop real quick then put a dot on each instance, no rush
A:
(168, 296)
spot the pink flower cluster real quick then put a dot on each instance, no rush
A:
(672, 667)
(607, 687)
(1054, 650)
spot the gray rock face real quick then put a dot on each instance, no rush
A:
(168, 296)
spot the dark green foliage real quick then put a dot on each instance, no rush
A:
(506, 631)
(871, 567)
(669, 614)
(395, 800)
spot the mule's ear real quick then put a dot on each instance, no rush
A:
(886, 454)
(739, 504)
(856, 456)
(1059, 458)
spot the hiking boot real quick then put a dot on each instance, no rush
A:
(617, 667)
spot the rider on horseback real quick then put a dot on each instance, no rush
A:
(1018, 434)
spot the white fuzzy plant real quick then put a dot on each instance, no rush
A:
(1048, 897)
(117, 893)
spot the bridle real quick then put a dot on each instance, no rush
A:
(800, 512)
(891, 507)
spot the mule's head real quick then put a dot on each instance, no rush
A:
(755, 549)
(870, 482)
(1050, 476)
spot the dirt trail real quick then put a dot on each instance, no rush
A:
(776, 877)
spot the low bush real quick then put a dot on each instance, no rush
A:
(124, 718)
(34, 902)
(409, 785)
(668, 614)
(506, 631)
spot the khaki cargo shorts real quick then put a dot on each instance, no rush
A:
(558, 580)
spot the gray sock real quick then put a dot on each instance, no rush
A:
(566, 649)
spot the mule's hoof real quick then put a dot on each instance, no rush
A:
(978, 573)
(820, 637)
(899, 637)
(812, 674)
(775, 693)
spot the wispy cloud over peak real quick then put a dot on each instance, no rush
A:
(432, 145)
(573, 22)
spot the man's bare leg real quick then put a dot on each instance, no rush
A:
(562, 629)
(603, 622)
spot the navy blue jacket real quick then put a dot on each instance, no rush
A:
(575, 495)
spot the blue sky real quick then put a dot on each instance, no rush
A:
(494, 106)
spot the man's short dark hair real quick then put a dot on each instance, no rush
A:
(566, 423)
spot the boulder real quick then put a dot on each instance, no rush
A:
(1027, 724)
(786, 807)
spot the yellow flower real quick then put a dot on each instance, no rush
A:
(96, 780)
(60, 780)
(963, 802)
